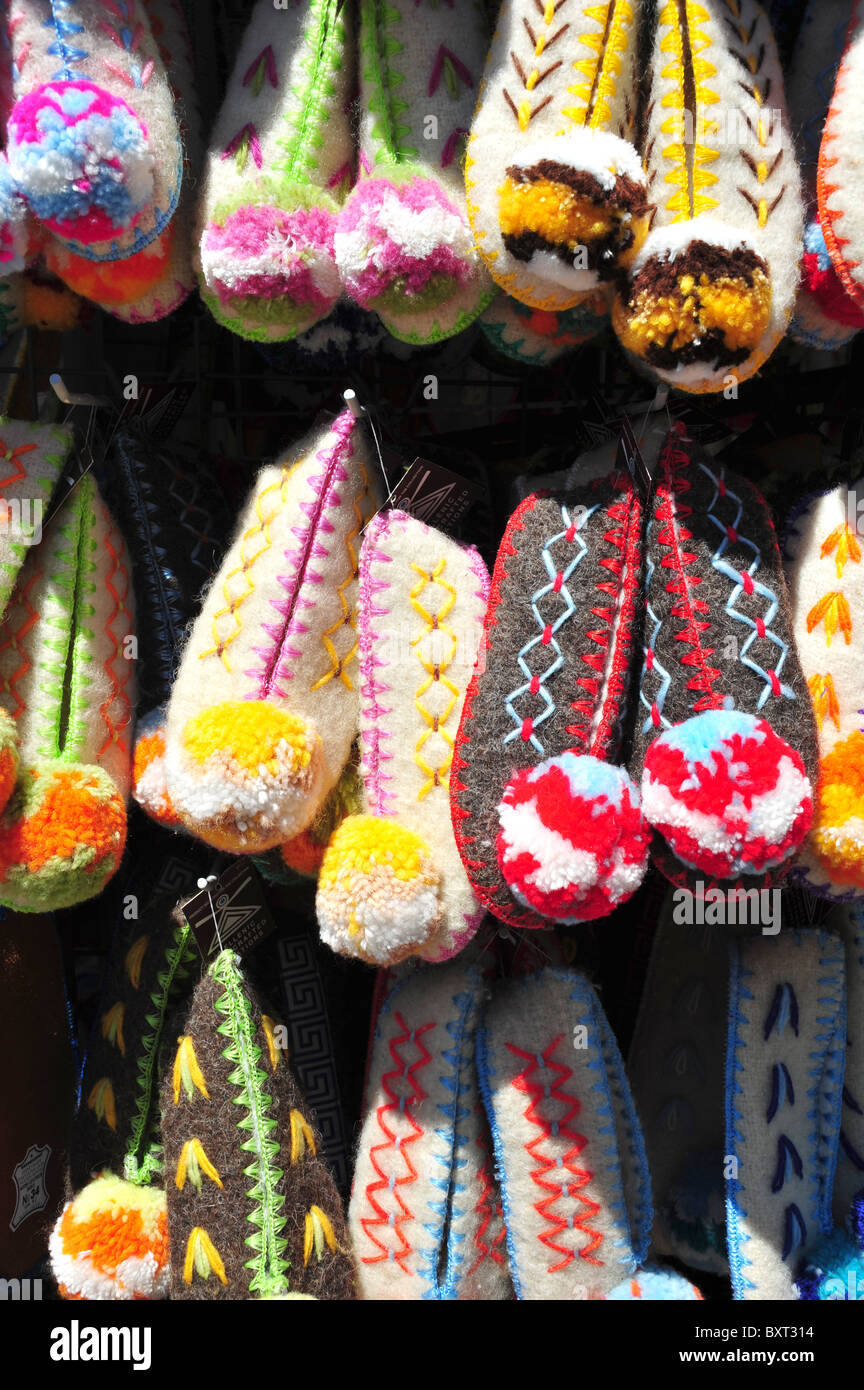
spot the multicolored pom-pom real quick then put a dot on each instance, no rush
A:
(111, 1242)
(654, 1283)
(729, 795)
(148, 770)
(838, 830)
(377, 891)
(573, 844)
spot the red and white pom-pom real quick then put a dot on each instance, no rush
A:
(728, 794)
(573, 844)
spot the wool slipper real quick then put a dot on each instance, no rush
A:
(724, 744)
(93, 141)
(548, 826)
(838, 196)
(537, 337)
(392, 883)
(279, 164)
(568, 1150)
(559, 211)
(253, 1212)
(266, 704)
(31, 460)
(824, 316)
(425, 1215)
(825, 575)
(67, 678)
(709, 293)
(784, 1081)
(403, 244)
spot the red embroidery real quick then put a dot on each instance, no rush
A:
(488, 1207)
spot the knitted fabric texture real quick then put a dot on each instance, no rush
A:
(535, 337)
(724, 739)
(784, 1077)
(403, 244)
(840, 212)
(425, 1216)
(279, 165)
(547, 829)
(93, 141)
(711, 290)
(825, 575)
(68, 681)
(392, 882)
(31, 458)
(556, 189)
(253, 1212)
(266, 703)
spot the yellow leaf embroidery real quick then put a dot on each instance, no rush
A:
(824, 697)
(202, 1257)
(846, 544)
(101, 1102)
(112, 1027)
(187, 1072)
(272, 1046)
(134, 958)
(318, 1232)
(833, 610)
(301, 1136)
(192, 1163)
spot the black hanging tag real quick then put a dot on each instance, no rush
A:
(433, 494)
(230, 912)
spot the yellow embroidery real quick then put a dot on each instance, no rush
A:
(112, 1027)
(248, 556)
(599, 72)
(187, 1073)
(202, 1257)
(688, 150)
(436, 720)
(318, 1233)
(134, 958)
(101, 1102)
(833, 611)
(270, 1034)
(192, 1162)
(824, 697)
(845, 542)
(348, 616)
(302, 1137)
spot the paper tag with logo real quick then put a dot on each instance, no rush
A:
(31, 1186)
(433, 494)
(230, 913)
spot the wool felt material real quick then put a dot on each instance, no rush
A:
(392, 883)
(253, 1212)
(304, 853)
(676, 1074)
(266, 703)
(784, 1078)
(556, 189)
(710, 292)
(834, 1270)
(536, 337)
(823, 559)
(31, 459)
(848, 924)
(425, 1215)
(838, 193)
(279, 164)
(68, 681)
(548, 828)
(569, 1153)
(824, 316)
(93, 142)
(724, 740)
(403, 244)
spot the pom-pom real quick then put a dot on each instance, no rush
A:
(663, 1285)
(113, 283)
(111, 1242)
(8, 756)
(244, 775)
(377, 891)
(148, 770)
(573, 844)
(838, 829)
(62, 836)
(727, 793)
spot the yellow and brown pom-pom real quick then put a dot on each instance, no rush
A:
(111, 1242)
(62, 836)
(838, 832)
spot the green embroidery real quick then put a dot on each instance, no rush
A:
(324, 43)
(495, 332)
(378, 47)
(436, 333)
(270, 1264)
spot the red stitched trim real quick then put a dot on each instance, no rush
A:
(542, 1091)
(404, 1105)
(14, 640)
(488, 1206)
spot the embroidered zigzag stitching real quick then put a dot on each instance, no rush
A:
(656, 717)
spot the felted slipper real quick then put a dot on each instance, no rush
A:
(280, 162)
(556, 189)
(93, 141)
(392, 882)
(425, 1215)
(536, 337)
(710, 292)
(266, 702)
(840, 213)
(548, 826)
(724, 743)
(403, 244)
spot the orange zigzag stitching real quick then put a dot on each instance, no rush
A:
(404, 1105)
(118, 683)
(14, 641)
(539, 1092)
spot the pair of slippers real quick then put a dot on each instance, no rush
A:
(683, 200)
(294, 211)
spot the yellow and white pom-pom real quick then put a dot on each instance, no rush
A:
(111, 1242)
(378, 891)
(244, 775)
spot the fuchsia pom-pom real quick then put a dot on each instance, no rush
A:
(573, 844)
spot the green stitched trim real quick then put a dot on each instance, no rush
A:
(437, 333)
(74, 648)
(270, 1265)
(494, 333)
(324, 42)
(378, 48)
(256, 335)
(144, 1152)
